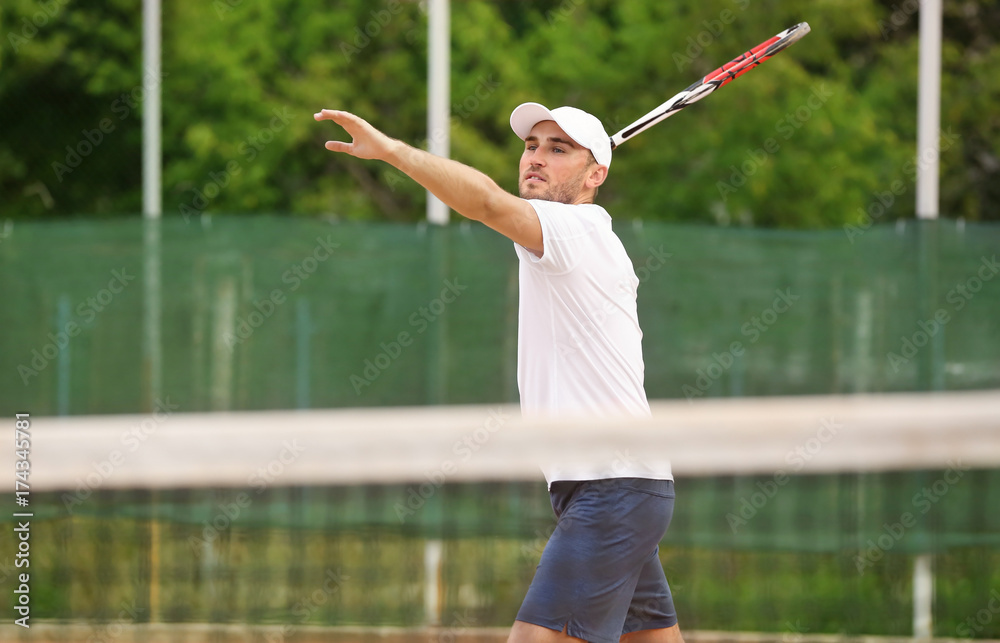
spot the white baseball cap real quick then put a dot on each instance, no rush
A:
(584, 128)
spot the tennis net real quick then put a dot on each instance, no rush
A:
(795, 517)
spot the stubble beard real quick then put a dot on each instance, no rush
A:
(567, 192)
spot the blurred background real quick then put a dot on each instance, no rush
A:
(772, 226)
(230, 67)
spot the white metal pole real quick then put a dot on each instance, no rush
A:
(152, 201)
(929, 109)
(433, 557)
(438, 95)
(923, 597)
(152, 363)
(438, 142)
(152, 208)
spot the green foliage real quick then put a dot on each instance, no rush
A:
(809, 140)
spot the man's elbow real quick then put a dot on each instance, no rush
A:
(498, 205)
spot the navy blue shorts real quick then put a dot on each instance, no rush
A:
(600, 575)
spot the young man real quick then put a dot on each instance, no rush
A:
(579, 353)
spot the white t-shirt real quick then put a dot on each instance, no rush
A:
(579, 349)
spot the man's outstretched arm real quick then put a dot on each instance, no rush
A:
(464, 189)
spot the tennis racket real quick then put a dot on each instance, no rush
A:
(721, 76)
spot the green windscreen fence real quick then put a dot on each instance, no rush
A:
(814, 554)
(261, 312)
(245, 313)
(934, 510)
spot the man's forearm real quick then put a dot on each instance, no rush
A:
(464, 189)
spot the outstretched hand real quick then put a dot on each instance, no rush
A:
(367, 142)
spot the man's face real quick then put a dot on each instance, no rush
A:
(554, 167)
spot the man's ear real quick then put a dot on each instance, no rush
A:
(597, 175)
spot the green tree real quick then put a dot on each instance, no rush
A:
(815, 138)
(68, 94)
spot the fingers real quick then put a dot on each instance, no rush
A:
(326, 115)
(365, 139)
(339, 146)
(336, 116)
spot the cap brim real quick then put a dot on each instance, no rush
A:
(526, 116)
